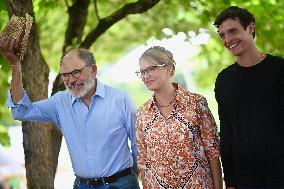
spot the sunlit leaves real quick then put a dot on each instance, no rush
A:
(51, 20)
(4, 137)
(186, 16)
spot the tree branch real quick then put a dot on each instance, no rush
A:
(131, 8)
(96, 9)
(67, 4)
(78, 13)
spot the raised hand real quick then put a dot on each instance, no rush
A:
(8, 50)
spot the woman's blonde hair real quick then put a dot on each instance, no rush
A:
(161, 56)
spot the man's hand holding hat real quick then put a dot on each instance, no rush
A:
(14, 37)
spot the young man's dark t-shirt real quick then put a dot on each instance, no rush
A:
(251, 112)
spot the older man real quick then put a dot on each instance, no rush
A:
(96, 120)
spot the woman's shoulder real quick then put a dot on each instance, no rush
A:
(144, 107)
(186, 96)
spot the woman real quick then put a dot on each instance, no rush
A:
(177, 138)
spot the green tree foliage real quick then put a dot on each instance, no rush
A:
(177, 15)
(191, 17)
(5, 117)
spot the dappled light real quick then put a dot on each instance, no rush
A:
(118, 32)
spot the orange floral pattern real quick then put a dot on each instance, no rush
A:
(174, 152)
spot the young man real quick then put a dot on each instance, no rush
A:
(250, 96)
(96, 120)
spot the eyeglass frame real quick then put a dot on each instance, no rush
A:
(149, 70)
(77, 71)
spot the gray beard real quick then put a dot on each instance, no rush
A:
(88, 85)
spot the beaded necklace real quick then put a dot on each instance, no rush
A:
(166, 105)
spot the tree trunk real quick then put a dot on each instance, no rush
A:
(42, 141)
(40, 152)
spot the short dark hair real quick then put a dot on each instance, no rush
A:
(84, 54)
(235, 12)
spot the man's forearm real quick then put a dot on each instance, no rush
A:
(17, 88)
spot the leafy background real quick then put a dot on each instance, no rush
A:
(189, 17)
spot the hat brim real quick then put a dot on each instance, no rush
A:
(28, 26)
(19, 29)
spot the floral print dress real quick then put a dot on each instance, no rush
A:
(174, 152)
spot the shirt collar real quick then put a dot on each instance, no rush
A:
(182, 97)
(100, 91)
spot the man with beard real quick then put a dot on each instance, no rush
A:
(96, 120)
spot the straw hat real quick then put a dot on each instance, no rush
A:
(18, 28)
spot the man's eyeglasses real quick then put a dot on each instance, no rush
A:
(74, 73)
(149, 70)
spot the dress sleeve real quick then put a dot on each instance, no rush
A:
(141, 145)
(208, 130)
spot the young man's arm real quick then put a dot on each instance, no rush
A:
(225, 141)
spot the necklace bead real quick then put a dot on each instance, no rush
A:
(166, 105)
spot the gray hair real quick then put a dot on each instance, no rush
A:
(84, 54)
